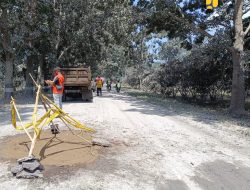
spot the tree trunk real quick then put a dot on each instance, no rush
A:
(8, 82)
(40, 74)
(140, 82)
(237, 106)
(30, 59)
(29, 82)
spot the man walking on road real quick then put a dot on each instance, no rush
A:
(99, 85)
(118, 86)
(108, 84)
(57, 86)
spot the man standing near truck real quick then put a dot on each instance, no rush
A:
(99, 85)
(57, 86)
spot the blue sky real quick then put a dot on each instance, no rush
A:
(154, 44)
(135, 2)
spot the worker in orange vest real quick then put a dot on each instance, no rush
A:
(99, 85)
(57, 86)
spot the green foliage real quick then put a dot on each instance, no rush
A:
(112, 36)
(205, 73)
(70, 34)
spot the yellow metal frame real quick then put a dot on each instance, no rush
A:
(53, 112)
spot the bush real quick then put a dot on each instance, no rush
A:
(205, 74)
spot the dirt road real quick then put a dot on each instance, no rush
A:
(170, 147)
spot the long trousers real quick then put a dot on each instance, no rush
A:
(99, 91)
(58, 100)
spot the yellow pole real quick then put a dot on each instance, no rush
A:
(18, 115)
(34, 120)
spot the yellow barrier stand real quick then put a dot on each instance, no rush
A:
(46, 119)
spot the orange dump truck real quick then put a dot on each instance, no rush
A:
(77, 81)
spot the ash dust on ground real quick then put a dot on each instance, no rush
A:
(57, 153)
(172, 146)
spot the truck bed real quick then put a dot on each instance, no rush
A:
(77, 76)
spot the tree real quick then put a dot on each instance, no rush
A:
(39, 35)
(8, 51)
(237, 106)
(190, 19)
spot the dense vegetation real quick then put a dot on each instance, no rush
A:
(173, 47)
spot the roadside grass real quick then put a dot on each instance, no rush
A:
(159, 99)
(150, 97)
(205, 113)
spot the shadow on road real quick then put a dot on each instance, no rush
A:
(171, 107)
(222, 175)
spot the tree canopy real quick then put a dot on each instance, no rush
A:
(166, 46)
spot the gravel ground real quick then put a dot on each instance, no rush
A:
(172, 146)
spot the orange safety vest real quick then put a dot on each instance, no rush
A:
(55, 88)
(99, 83)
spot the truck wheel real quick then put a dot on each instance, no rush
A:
(84, 97)
(87, 95)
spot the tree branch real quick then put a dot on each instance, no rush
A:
(247, 30)
(246, 11)
(190, 25)
(62, 53)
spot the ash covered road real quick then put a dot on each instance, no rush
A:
(166, 147)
